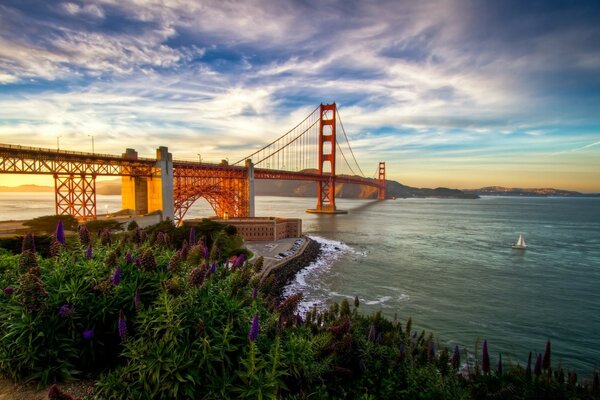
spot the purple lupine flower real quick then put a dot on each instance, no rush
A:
(537, 370)
(485, 358)
(528, 368)
(185, 249)
(88, 253)
(88, 334)
(59, 233)
(137, 301)
(116, 277)
(28, 243)
(253, 333)
(254, 293)
(213, 267)
(128, 257)
(192, 237)
(138, 261)
(239, 261)
(402, 350)
(499, 364)
(66, 310)
(122, 325)
(8, 291)
(546, 362)
(455, 361)
(204, 251)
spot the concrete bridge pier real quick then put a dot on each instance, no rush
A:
(250, 185)
(145, 195)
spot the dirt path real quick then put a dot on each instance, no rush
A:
(15, 391)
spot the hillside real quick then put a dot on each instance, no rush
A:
(291, 188)
(536, 192)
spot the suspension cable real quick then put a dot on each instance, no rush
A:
(343, 130)
(279, 138)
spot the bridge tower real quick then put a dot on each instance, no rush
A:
(381, 180)
(327, 145)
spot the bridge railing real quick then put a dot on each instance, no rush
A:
(67, 152)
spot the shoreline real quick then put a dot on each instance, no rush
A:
(284, 272)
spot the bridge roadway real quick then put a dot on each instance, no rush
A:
(170, 186)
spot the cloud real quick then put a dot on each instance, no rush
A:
(219, 77)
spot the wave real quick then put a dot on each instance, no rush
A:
(308, 278)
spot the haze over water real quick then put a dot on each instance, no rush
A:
(449, 265)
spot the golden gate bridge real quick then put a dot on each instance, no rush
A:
(311, 151)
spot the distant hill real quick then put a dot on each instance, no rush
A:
(278, 187)
(536, 192)
(26, 188)
(291, 188)
(102, 187)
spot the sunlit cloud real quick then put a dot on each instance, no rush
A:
(414, 80)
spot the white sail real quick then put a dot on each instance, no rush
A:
(520, 243)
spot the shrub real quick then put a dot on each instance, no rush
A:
(47, 224)
(100, 225)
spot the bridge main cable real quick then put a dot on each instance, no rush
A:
(279, 138)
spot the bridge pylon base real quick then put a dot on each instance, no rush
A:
(326, 210)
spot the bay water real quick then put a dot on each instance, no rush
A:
(448, 264)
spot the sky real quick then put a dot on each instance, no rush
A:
(459, 94)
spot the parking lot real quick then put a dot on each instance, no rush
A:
(275, 252)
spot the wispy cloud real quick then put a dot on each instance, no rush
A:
(411, 78)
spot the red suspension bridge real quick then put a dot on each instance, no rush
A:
(317, 149)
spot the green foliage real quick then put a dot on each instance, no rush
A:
(132, 225)
(101, 224)
(47, 224)
(189, 338)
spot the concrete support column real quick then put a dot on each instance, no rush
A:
(160, 187)
(134, 191)
(250, 169)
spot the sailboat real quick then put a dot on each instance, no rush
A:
(520, 243)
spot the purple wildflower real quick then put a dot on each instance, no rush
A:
(137, 301)
(485, 358)
(185, 249)
(213, 267)
(253, 333)
(204, 251)
(66, 310)
(122, 325)
(528, 368)
(138, 262)
(546, 362)
(402, 350)
(455, 361)
(537, 370)
(116, 277)
(128, 258)
(59, 233)
(8, 291)
(28, 243)
(88, 334)
(239, 261)
(192, 236)
(500, 364)
(88, 253)
(254, 293)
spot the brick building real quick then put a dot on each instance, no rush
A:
(266, 228)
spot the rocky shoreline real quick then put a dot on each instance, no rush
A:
(284, 273)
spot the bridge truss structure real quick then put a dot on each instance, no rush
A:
(317, 149)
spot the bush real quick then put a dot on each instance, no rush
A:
(99, 225)
(47, 224)
(195, 332)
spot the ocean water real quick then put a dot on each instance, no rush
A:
(448, 264)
